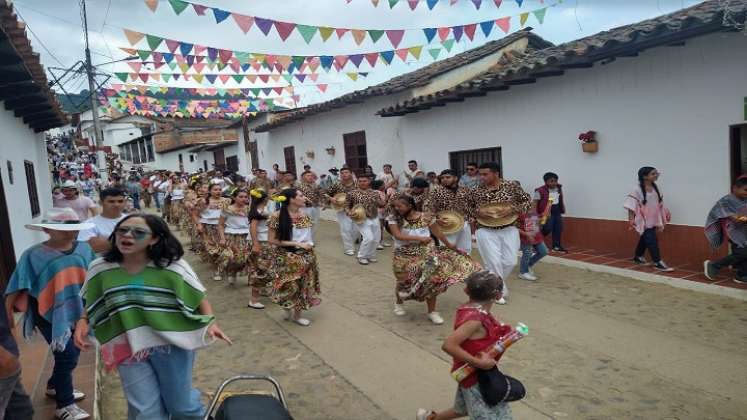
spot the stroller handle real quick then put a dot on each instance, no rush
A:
(246, 377)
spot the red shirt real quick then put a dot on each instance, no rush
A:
(529, 223)
(494, 329)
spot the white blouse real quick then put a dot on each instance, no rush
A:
(236, 224)
(177, 194)
(210, 216)
(419, 229)
(262, 231)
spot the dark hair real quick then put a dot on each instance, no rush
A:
(377, 184)
(306, 172)
(210, 187)
(285, 227)
(412, 161)
(472, 164)
(550, 175)
(741, 181)
(494, 167)
(419, 183)
(431, 173)
(482, 286)
(407, 198)
(164, 252)
(111, 192)
(345, 168)
(366, 175)
(387, 164)
(448, 172)
(254, 214)
(642, 173)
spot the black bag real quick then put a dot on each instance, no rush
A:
(495, 387)
(252, 407)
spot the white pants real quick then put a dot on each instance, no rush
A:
(313, 213)
(370, 230)
(499, 249)
(462, 239)
(347, 231)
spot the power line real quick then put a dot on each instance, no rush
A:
(38, 39)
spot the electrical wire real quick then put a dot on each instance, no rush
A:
(38, 39)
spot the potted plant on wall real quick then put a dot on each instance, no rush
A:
(589, 142)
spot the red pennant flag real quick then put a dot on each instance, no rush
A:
(341, 32)
(245, 22)
(443, 33)
(372, 58)
(172, 45)
(278, 90)
(284, 29)
(264, 78)
(224, 78)
(504, 23)
(322, 87)
(144, 77)
(314, 77)
(469, 30)
(341, 60)
(225, 55)
(136, 66)
(402, 53)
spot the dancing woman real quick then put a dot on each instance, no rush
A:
(233, 231)
(210, 210)
(149, 313)
(294, 270)
(177, 210)
(260, 259)
(423, 270)
(193, 197)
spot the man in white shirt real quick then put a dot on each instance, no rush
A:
(113, 201)
(83, 206)
(406, 177)
(388, 177)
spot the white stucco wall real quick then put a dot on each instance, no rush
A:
(20, 143)
(321, 131)
(671, 108)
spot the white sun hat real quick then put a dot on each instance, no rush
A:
(69, 184)
(65, 219)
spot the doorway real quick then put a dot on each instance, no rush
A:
(738, 149)
(460, 159)
(219, 158)
(356, 156)
(290, 160)
(7, 254)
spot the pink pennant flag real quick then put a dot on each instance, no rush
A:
(157, 65)
(443, 33)
(372, 58)
(322, 87)
(243, 21)
(200, 59)
(336, 65)
(199, 67)
(413, 4)
(251, 78)
(144, 77)
(256, 66)
(504, 23)
(341, 60)
(314, 77)
(402, 53)
(152, 5)
(236, 67)
(172, 45)
(278, 90)
(136, 66)
(264, 78)
(358, 35)
(224, 78)
(199, 9)
(341, 32)
(285, 29)
(395, 36)
(498, 3)
(199, 49)
(225, 55)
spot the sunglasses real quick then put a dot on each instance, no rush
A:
(137, 233)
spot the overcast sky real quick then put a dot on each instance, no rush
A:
(57, 24)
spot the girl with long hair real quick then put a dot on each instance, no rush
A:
(210, 210)
(233, 228)
(196, 194)
(423, 270)
(176, 191)
(148, 311)
(260, 260)
(295, 272)
(647, 215)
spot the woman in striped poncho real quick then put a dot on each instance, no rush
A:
(148, 311)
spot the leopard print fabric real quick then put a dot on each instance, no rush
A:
(439, 199)
(369, 199)
(313, 193)
(509, 192)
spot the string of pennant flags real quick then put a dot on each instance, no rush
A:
(176, 92)
(413, 4)
(308, 32)
(225, 78)
(193, 108)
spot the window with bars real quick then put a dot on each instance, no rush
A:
(31, 184)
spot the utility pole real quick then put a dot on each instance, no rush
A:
(97, 134)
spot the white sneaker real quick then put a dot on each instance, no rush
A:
(71, 412)
(379, 247)
(77, 394)
(373, 260)
(528, 276)
(217, 277)
(386, 244)
(435, 318)
(399, 310)
(423, 414)
(362, 261)
(349, 253)
(302, 322)
(532, 271)
(501, 301)
(256, 305)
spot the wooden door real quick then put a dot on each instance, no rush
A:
(738, 149)
(356, 156)
(459, 159)
(7, 254)
(290, 160)
(220, 159)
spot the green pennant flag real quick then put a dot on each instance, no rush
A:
(166, 77)
(255, 91)
(288, 77)
(172, 65)
(375, 34)
(298, 60)
(435, 52)
(143, 54)
(449, 44)
(393, 3)
(238, 77)
(307, 32)
(122, 76)
(178, 6)
(221, 65)
(243, 57)
(270, 103)
(540, 15)
(221, 92)
(154, 89)
(153, 41)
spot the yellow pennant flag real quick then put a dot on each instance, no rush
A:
(326, 32)
(523, 18)
(198, 77)
(415, 51)
(353, 76)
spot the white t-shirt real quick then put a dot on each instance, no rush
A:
(554, 195)
(103, 226)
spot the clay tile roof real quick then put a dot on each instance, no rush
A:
(414, 79)
(24, 88)
(626, 41)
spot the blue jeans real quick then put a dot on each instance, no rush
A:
(136, 200)
(530, 255)
(159, 199)
(648, 242)
(160, 387)
(64, 363)
(554, 226)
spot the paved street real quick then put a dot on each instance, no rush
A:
(600, 347)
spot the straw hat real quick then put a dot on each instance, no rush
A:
(69, 184)
(338, 201)
(454, 221)
(358, 214)
(65, 219)
(497, 221)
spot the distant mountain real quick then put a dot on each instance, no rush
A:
(74, 103)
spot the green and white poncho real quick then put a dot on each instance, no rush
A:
(132, 314)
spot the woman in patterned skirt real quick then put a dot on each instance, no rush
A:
(197, 192)
(233, 229)
(261, 257)
(177, 210)
(294, 270)
(210, 210)
(422, 269)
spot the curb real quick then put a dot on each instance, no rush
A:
(694, 286)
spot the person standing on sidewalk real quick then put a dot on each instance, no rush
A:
(647, 215)
(46, 286)
(727, 220)
(15, 403)
(148, 311)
